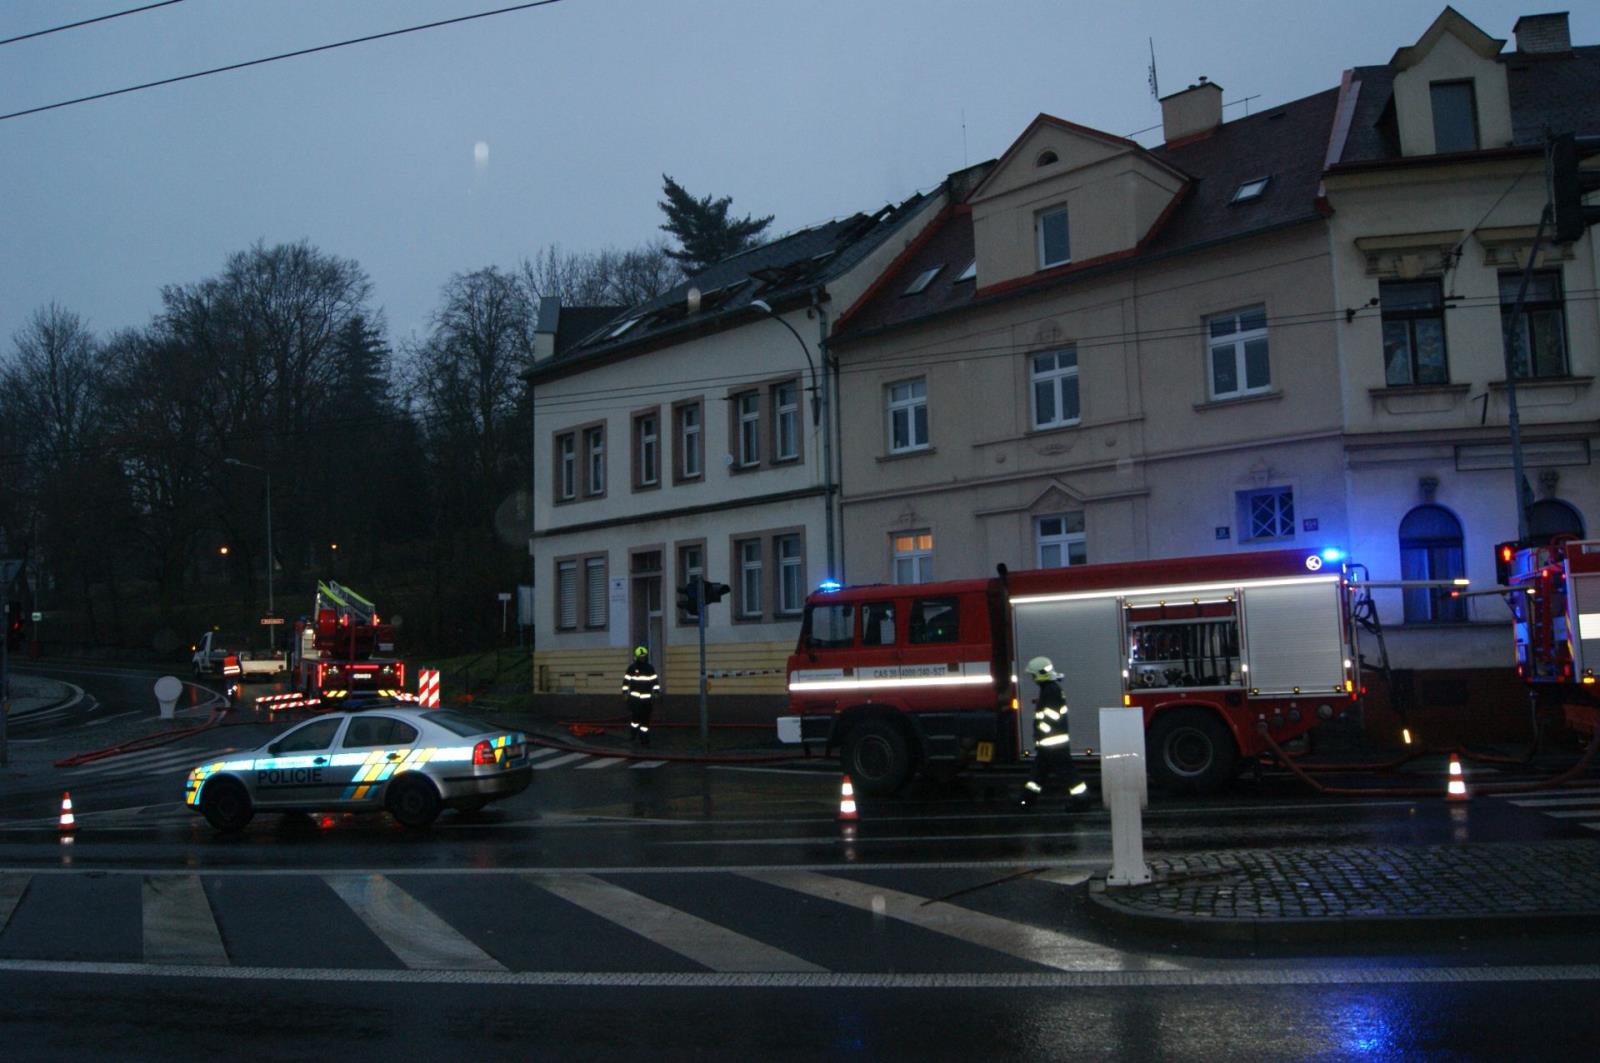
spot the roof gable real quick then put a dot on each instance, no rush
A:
(1452, 22)
(1073, 147)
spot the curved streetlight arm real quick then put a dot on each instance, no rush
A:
(816, 395)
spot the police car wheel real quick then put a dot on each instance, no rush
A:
(414, 801)
(1191, 751)
(226, 805)
(877, 758)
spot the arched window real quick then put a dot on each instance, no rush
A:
(1550, 517)
(1046, 157)
(1430, 548)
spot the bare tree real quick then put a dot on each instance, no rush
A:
(609, 277)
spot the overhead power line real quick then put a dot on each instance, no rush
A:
(87, 22)
(275, 58)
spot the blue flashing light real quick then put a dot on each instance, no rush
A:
(829, 585)
(1332, 553)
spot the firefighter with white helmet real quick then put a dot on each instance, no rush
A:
(1052, 745)
(641, 683)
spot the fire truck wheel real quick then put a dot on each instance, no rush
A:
(226, 805)
(414, 801)
(877, 758)
(1191, 751)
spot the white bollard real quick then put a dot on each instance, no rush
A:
(1125, 791)
(168, 689)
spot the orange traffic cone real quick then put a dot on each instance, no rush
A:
(847, 800)
(68, 824)
(1456, 788)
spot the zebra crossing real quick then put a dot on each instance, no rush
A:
(167, 760)
(732, 921)
(1582, 805)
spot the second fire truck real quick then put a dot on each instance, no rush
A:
(1554, 595)
(344, 647)
(1219, 652)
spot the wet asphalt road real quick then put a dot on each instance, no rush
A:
(616, 911)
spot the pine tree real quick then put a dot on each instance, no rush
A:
(704, 230)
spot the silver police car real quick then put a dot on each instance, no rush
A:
(411, 762)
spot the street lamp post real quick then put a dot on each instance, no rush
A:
(272, 629)
(821, 409)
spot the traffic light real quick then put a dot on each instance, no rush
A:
(689, 599)
(1569, 183)
(1505, 555)
(714, 592)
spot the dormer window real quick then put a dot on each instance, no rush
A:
(925, 278)
(1250, 190)
(1455, 117)
(624, 327)
(1046, 157)
(968, 274)
(1055, 247)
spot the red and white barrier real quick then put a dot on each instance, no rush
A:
(428, 688)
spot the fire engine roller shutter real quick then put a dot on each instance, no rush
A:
(1293, 639)
(1583, 603)
(1083, 639)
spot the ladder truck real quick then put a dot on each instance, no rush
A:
(343, 647)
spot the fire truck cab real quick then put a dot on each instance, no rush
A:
(1554, 595)
(1217, 651)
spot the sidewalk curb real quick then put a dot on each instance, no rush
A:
(1299, 930)
(77, 694)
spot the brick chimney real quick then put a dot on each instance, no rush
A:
(1543, 34)
(1192, 112)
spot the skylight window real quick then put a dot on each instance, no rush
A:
(970, 273)
(1251, 190)
(624, 327)
(924, 279)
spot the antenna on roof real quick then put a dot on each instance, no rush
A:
(963, 138)
(1155, 93)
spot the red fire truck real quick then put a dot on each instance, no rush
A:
(343, 647)
(1218, 651)
(1555, 607)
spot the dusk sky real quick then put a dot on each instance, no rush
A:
(477, 144)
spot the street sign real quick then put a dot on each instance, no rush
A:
(37, 617)
(270, 620)
(504, 596)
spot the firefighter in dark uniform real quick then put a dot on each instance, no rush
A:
(641, 684)
(1052, 745)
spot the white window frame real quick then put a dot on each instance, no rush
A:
(594, 605)
(750, 578)
(790, 553)
(915, 550)
(567, 595)
(691, 432)
(747, 415)
(905, 398)
(594, 458)
(1040, 225)
(1247, 523)
(1057, 378)
(968, 274)
(567, 464)
(649, 453)
(1061, 537)
(1235, 344)
(923, 279)
(1254, 188)
(786, 421)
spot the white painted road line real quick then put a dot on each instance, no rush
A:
(408, 927)
(648, 764)
(705, 943)
(1324, 975)
(179, 926)
(1565, 791)
(601, 762)
(542, 751)
(556, 763)
(1556, 802)
(149, 763)
(12, 887)
(1050, 948)
(1579, 813)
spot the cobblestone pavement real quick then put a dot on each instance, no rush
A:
(1222, 894)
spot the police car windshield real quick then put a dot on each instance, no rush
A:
(458, 722)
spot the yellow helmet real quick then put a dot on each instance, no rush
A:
(1042, 669)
